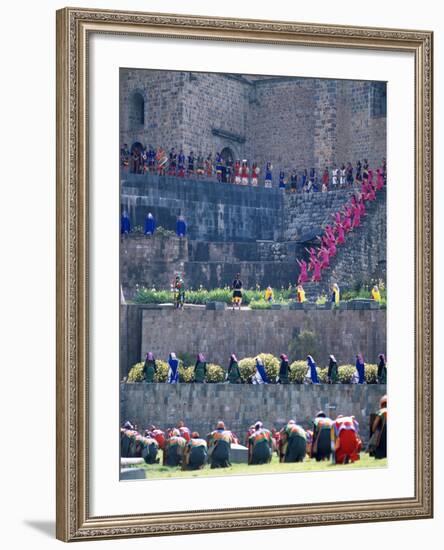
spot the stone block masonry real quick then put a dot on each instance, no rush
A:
(295, 123)
(255, 231)
(202, 405)
(217, 334)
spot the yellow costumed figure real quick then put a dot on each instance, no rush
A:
(300, 294)
(336, 294)
(376, 295)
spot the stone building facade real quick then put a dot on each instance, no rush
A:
(293, 122)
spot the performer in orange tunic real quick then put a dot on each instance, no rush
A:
(345, 439)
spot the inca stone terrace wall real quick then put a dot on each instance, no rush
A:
(217, 334)
(201, 406)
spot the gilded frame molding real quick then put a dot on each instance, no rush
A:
(73, 520)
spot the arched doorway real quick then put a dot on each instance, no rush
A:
(136, 147)
(227, 154)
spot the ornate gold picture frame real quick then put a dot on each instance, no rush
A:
(74, 28)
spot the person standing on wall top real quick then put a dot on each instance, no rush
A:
(181, 227)
(181, 164)
(382, 370)
(236, 287)
(172, 162)
(294, 182)
(149, 368)
(209, 166)
(200, 165)
(325, 180)
(360, 368)
(284, 370)
(191, 160)
(200, 369)
(312, 176)
(233, 374)
(244, 172)
(255, 171)
(349, 174)
(219, 166)
(332, 373)
(282, 180)
(269, 175)
(260, 376)
(125, 224)
(237, 172)
(358, 177)
(342, 175)
(150, 224)
(173, 369)
(312, 373)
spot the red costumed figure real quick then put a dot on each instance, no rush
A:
(324, 255)
(341, 233)
(303, 276)
(344, 435)
(347, 218)
(316, 271)
(379, 180)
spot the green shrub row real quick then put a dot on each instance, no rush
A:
(217, 374)
(202, 296)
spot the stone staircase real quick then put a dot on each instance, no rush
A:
(362, 257)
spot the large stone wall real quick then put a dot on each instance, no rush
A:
(201, 406)
(255, 231)
(217, 334)
(280, 125)
(213, 211)
(295, 123)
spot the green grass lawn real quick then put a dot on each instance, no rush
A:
(157, 471)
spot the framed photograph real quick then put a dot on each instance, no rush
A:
(244, 274)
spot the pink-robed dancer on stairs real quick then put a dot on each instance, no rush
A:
(303, 275)
(316, 271)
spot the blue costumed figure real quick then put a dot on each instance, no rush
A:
(281, 179)
(181, 227)
(125, 224)
(173, 370)
(268, 175)
(312, 372)
(360, 369)
(260, 376)
(150, 224)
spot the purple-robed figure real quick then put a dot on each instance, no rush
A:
(312, 372)
(181, 227)
(360, 368)
(150, 224)
(125, 224)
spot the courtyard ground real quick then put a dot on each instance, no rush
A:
(157, 471)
